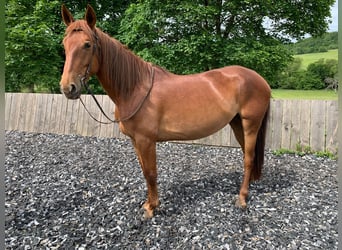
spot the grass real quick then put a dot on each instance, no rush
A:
(314, 57)
(304, 94)
(306, 151)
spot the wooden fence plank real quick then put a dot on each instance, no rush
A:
(8, 114)
(106, 130)
(48, 100)
(102, 118)
(295, 124)
(85, 118)
(55, 113)
(62, 120)
(331, 126)
(38, 114)
(317, 135)
(91, 123)
(22, 111)
(286, 124)
(233, 141)
(45, 112)
(77, 107)
(305, 122)
(269, 127)
(15, 109)
(104, 127)
(106, 123)
(32, 100)
(58, 128)
(277, 124)
(81, 116)
(93, 126)
(74, 108)
(226, 136)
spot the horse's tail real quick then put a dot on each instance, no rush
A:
(260, 148)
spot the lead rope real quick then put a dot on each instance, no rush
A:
(98, 104)
(84, 84)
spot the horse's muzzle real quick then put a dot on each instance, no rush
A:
(71, 91)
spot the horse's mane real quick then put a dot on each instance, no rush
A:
(121, 70)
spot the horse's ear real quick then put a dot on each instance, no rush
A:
(66, 15)
(90, 16)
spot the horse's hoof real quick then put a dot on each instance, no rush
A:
(148, 212)
(240, 204)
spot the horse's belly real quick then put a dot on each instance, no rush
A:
(191, 126)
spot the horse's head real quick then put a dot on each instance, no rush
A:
(81, 59)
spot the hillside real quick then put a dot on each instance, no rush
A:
(328, 41)
(314, 57)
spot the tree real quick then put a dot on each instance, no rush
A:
(191, 36)
(34, 31)
(183, 36)
(32, 46)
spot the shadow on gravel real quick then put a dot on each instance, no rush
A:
(189, 193)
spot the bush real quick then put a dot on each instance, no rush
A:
(312, 78)
(301, 80)
(323, 68)
(309, 81)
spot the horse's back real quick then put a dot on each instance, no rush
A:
(249, 76)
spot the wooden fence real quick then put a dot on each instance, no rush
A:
(292, 123)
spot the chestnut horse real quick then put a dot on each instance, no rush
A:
(154, 105)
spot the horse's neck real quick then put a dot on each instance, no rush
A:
(120, 66)
(120, 71)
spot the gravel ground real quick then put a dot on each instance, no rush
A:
(73, 192)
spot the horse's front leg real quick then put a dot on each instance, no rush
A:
(146, 151)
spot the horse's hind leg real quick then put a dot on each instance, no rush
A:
(146, 151)
(248, 131)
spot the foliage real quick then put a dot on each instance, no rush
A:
(34, 31)
(183, 36)
(327, 41)
(32, 46)
(313, 78)
(193, 36)
(323, 68)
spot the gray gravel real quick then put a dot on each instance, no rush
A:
(73, 192)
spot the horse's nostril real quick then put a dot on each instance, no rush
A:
(72, 88)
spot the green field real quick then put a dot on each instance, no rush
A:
(304, 94)
(314, 57)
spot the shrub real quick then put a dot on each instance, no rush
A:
(323, 68)
(312, 78)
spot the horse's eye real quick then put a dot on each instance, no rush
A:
(87, 45)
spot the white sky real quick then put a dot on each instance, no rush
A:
(334, 18)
